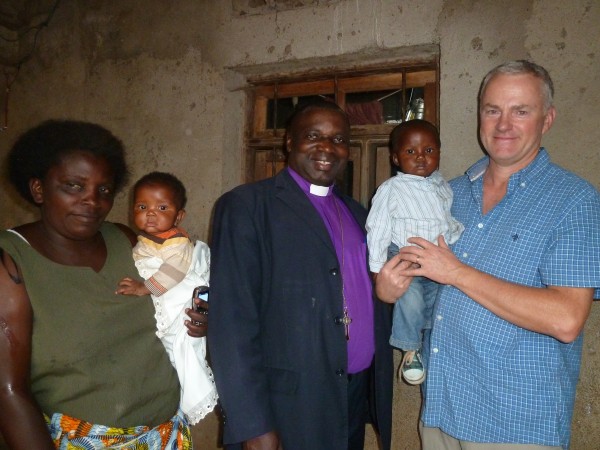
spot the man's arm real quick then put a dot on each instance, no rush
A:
(234, 334)
(21, 422)
(556, 311)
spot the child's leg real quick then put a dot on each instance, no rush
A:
(409, 318)
(430, 292)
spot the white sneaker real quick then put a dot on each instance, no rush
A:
(411, 367)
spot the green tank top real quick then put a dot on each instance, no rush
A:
(95, 355)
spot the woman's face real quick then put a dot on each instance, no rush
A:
(76, 195)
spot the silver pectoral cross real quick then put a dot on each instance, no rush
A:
(347, 320)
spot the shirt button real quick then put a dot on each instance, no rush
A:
(465, 255)
(340, 372)
(480, 225)
(438, 317)
(338, 320)
(333, 271)
(435, 350)
(523, 184)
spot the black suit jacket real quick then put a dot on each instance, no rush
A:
(278, 353)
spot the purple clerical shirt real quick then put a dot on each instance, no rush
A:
(352, 257)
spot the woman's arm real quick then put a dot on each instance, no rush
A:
(21, 422)
(128, 232)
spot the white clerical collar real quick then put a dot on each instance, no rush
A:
(320, 191)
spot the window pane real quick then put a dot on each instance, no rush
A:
(285, 107)
(345, 180)
(378, 107)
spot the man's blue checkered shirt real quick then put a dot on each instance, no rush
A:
(489, 380)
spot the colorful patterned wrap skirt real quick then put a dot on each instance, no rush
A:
(69, 433)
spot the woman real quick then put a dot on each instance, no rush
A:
(76, 357)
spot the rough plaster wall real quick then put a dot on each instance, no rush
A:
(474, 36)
(159, 75)
(473, 41)
(345, 27)
(568, 38)
(138, 72)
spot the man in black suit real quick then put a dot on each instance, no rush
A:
(299, 344)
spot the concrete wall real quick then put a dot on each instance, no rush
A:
(163, 76)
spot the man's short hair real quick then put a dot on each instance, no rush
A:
(301, 109)
(518, 67)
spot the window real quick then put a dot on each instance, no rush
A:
(376, 99)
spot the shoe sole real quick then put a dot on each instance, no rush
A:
(415, 381)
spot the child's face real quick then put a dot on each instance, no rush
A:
(154, 209)
(416, 152)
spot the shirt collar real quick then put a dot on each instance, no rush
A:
(536, 166)
(435, 178)
(308, 188)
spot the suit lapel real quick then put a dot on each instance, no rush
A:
(295, 199)
(357, 211)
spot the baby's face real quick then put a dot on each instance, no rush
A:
(416, 152)
(155, 210)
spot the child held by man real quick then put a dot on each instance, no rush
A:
(415, 202)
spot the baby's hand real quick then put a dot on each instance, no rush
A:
(129, 286)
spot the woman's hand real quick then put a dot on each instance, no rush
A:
(198, 323)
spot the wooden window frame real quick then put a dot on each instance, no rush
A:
(263, 145)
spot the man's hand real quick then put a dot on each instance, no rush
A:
(393, 280)
(267, 441)
(198, 324)
(436, 262)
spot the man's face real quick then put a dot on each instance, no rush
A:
(318, 145)
(512, 119)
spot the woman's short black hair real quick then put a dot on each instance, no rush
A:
(42, 147)
(166, 180)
